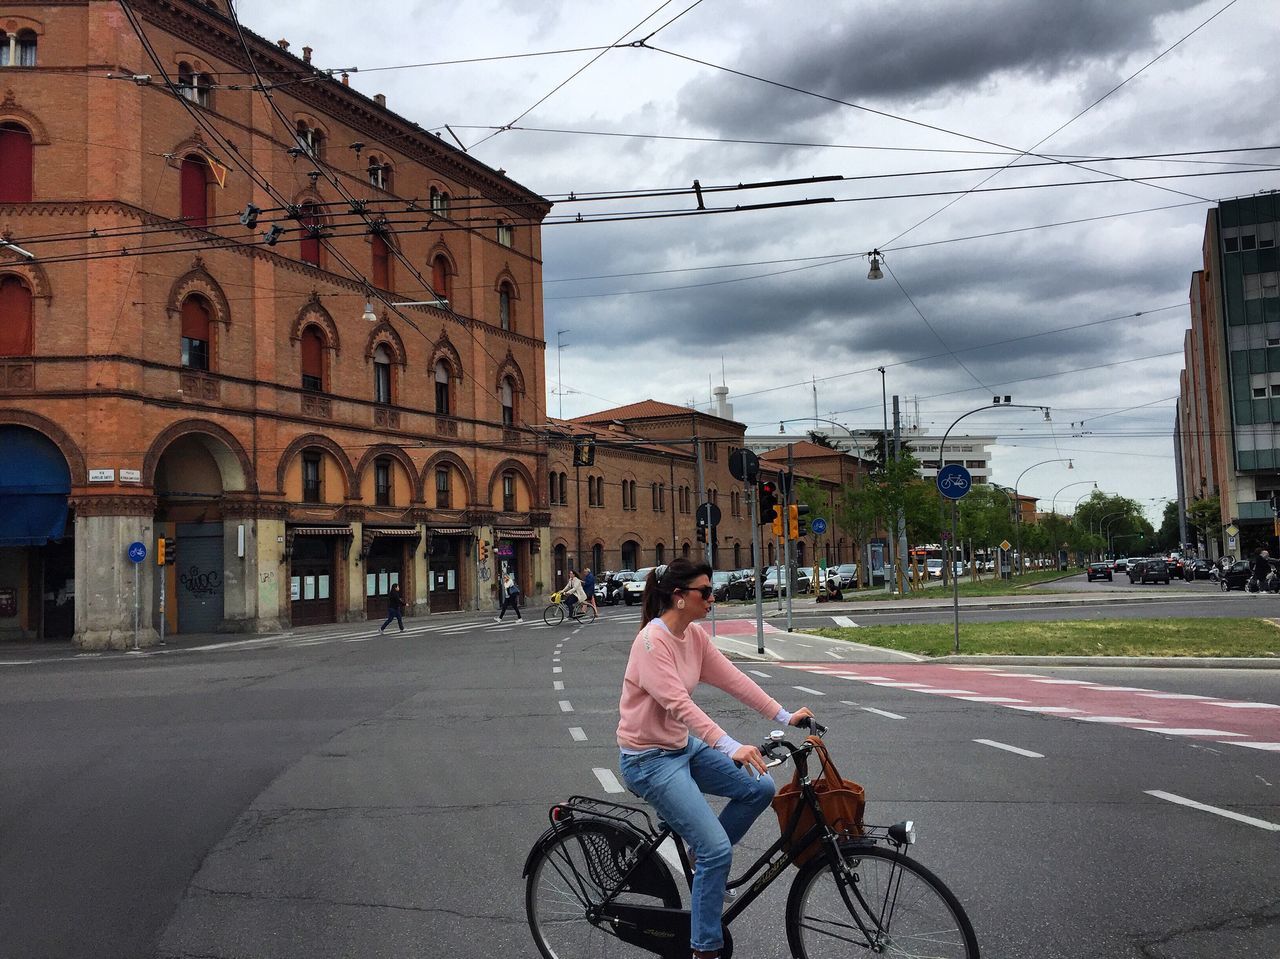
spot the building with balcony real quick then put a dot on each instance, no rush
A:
(201, 338)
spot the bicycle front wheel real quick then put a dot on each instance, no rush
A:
(567, 881)
(553, 615)
(585, 614)
(900, 909)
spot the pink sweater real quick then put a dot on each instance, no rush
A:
(656, 708)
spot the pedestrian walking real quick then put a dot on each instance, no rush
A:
(589, 587)
(510, 598)
(395, 608)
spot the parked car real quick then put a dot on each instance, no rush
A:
(731, 585)
(846, 574)
(1099, 571)
(1150, 569)
(1234, 576)
(633, 589)
(1194, 569)
(769, 588)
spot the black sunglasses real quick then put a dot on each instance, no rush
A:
(706, 591)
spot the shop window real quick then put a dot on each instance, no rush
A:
(381, 252)
(381, 375)
(309, 244)
(442, 388)
(504, 306)
(506, 395)
(382, 481)
(311, 492)
(440, 276)
(16, 327)
(15, 164)
(312, 360)
(508, 492)
(443, 499)
(197, 335)
(195, 190)
(18, 49)
(506, 233)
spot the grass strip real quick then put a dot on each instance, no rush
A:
(1219, 636)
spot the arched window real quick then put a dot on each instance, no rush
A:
(197, 334)
(382, 481)
(684, 550)
(18, 49)
(553, 491)
(186, 81)
(311, 474)
(737, 556)
(506, 233)
(506, 396)
(439, 202)
(15, 164)
(312, 360)
(443, 498)
(379, 173)
(442, 388)
(195, 190)
(504, 306)
(381, 262)
(310, 243)
(508, 492)
(440, 276)
(381, 375)
(632, 485)
(597, 557)
(16, 329)
(564, 488)
(308, 138)
(659, 554)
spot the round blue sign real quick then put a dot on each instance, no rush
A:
(137, 552)
(954, 481)
(819, 525)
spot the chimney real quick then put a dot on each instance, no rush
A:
(306, 54)
(346, 79)
(723, 408)
(282, 44)
(380, 99)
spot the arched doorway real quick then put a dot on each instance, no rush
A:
(560, 559)
(37, 551)
(630, 555)
(191, 475)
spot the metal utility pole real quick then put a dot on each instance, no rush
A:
(900, 521)
(884, 441)
(786, 532)
(955, 580)
(559, 369)
(702, 490)
(753, 497)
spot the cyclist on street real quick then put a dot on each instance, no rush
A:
(1262, 569)
(671, 769)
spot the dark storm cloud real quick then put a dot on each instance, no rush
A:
(939, 47)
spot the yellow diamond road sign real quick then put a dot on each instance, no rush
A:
(1005, 545)
(1233, 530)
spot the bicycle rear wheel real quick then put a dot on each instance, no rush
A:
(905, 911)
(585, 614)
(553, 615)
(566, 881)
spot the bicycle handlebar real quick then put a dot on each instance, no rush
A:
(792, 752)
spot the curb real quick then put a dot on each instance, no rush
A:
(1181, 662)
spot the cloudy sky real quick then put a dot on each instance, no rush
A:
(918, 97)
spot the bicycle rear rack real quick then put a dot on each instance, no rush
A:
(632, 816)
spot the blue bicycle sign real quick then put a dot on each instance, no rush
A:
(954, 481)
(137, 552)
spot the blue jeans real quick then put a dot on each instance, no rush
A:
(673, 782)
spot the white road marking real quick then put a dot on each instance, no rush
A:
(983, 669)
(756, 672)
(1196, 732)
(1225, 813)
(844, 621)
(802, 645)
(991, 699)
(668, 852)
(1012, 749)
(865, 679)
(608, 780)
(359, 639)
(806, 689)
(1173, 696)
(946, 692)
(1245, 705)
(882, 712)
(557, 669)
(19, 662)
(566, 706)
(577, 733)
(558, 686)
(1119, 719)
(892, 685)
(1121, 689)
(832, 653)
(1020, 675)
(1271, 747)
(1064, 682)
(1046, 709)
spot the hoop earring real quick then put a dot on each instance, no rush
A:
(680, 604)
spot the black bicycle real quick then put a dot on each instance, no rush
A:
(596, 886)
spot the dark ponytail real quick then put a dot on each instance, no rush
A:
(658, 590)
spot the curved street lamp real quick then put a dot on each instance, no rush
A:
(1053, 503)
(1017, 526)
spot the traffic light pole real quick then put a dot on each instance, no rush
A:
(787, 531)
(753, 490)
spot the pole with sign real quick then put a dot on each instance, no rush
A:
(744, 465)
(137, 552)
(954, 482)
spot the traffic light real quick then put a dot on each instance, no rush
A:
(584, 451)
(160, 545)
(484, 551)
(702, 533)
(799, 521)
(777, 520)
(170, 551)
(768, 496)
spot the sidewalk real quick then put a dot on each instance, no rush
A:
(808, 605)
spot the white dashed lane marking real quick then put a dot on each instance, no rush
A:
(577, 733)
(1010, 749)
(557, 669)
(882, 712)
(566, 706)
(608, 780)
(1225, 813)
(756, 672)
(1245, 705)
(844, 621)
(558, 686)
(812, 692)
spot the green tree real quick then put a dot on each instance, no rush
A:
(1168, 538)
(821, 439)
(1205, 517)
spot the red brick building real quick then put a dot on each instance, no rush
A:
(252, 390)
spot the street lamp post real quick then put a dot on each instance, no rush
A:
(950, 568)
(1017, 526)
(1053, 503)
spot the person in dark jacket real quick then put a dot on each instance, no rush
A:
(395, 608)
(1261, 568)
(589, 587)
(510, 598)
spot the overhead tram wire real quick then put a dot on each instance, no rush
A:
(1068, 123)
(936, 335)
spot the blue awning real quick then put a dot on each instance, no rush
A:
(34, 485)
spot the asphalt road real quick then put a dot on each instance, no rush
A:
(338, 794)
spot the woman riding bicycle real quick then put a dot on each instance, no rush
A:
(662, 764)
